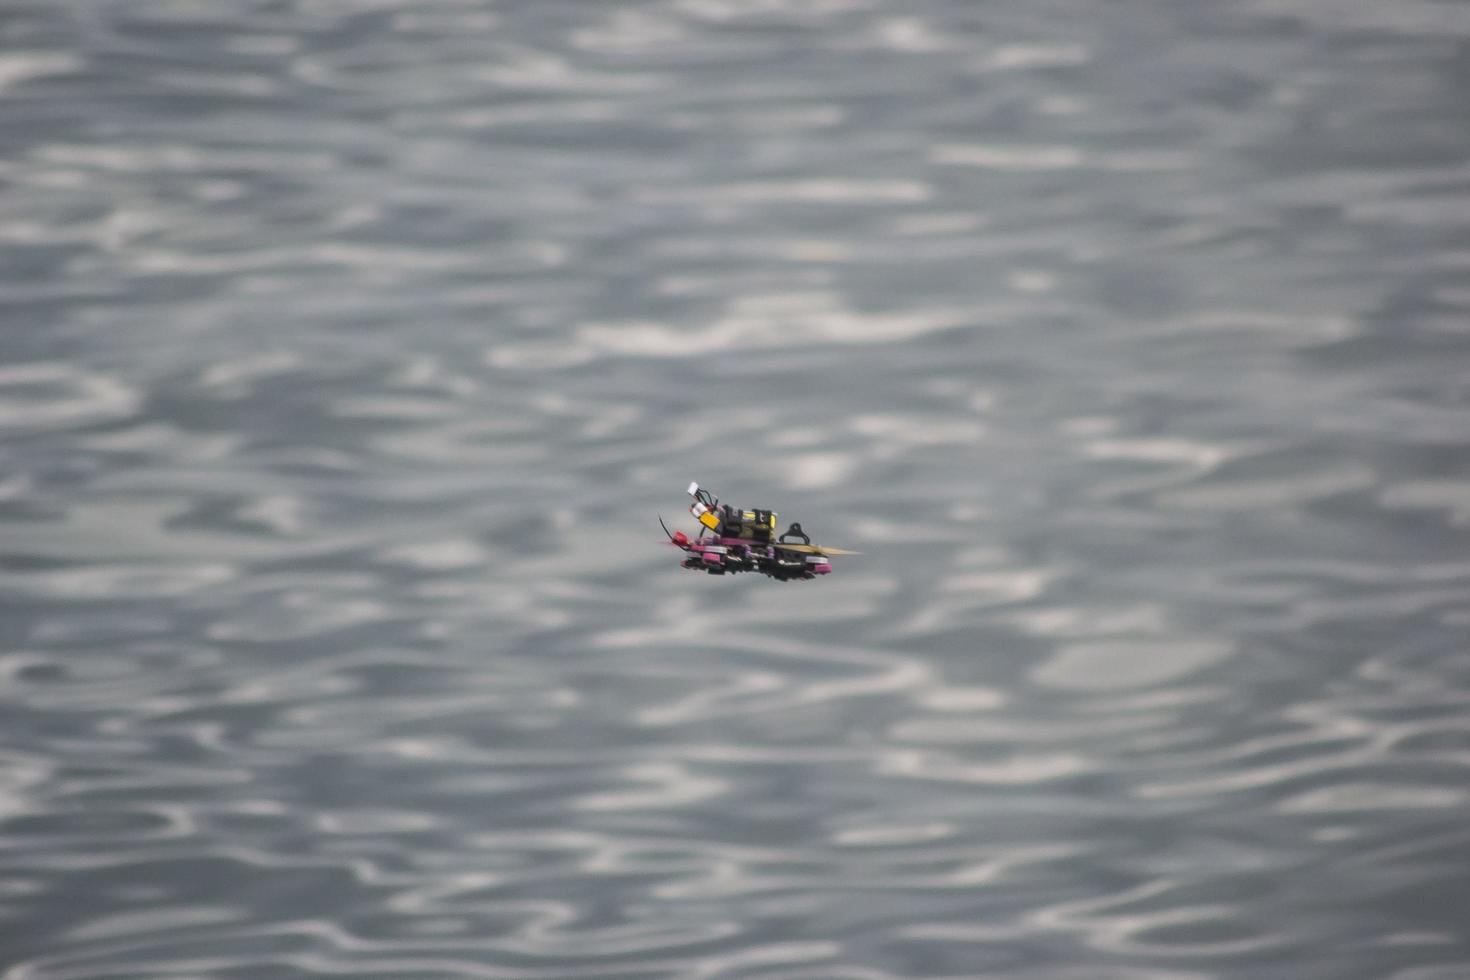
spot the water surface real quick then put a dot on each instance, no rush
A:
(351, 349)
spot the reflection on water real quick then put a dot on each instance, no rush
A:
(352, 350)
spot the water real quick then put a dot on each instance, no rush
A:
(351, 348)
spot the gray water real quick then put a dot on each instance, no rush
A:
(351, 348)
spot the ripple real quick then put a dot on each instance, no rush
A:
(49, 396)
(1348, 797)
(1281, 491)
(1011, 57)
(1019, 770)
(132, 581)
(890, 836)
(1020, 158)
(299, 615)
(439, 555)
(1121, 664)
(772, 322)
(1449, 496)
(153, 920)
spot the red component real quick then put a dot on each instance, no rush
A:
(681, 539)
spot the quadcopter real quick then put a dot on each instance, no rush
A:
(746, 541)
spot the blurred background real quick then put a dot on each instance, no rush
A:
(351, 349)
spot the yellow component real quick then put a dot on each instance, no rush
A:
(709, 520)
(773, 520)
(748, 515)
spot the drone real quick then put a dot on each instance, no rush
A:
(746, 541)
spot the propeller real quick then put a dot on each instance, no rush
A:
(813, 549)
